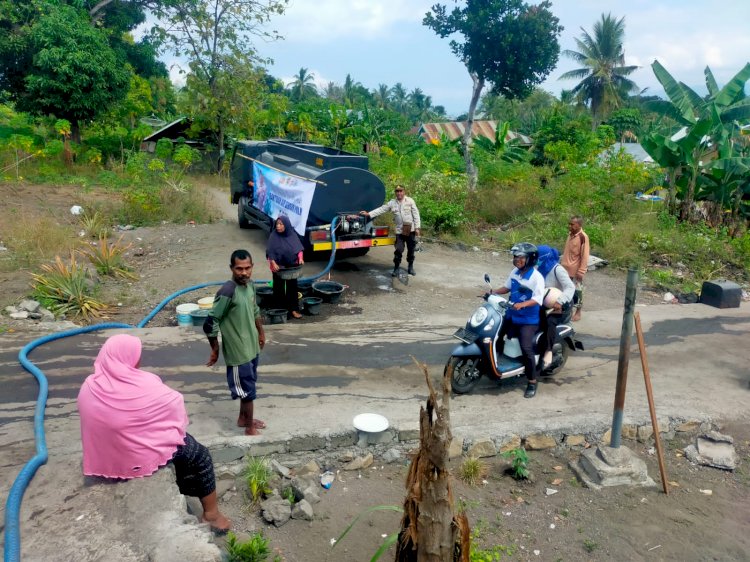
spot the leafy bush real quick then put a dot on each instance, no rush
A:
(108, 258)
(519, 462)
(255, 549)
(441, 200)
(164, 149)
(65, 289)
(94, 225)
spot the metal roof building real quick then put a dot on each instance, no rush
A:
(455, 129)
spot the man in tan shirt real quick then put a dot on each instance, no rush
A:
(575, 260)
(408, 227)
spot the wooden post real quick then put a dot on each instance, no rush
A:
(651, 407)
(624, 358)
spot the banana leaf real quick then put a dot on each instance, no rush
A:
(675, 92)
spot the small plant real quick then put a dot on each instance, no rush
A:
(107, 258)
(288, 495)
(95, 226)
(258, 475)
(64, 289)
(519, 462)
(255, 549)
(388, 541)
(472, 471)
(590, 545)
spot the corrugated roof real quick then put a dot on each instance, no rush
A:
(455, 129)
(167, 130)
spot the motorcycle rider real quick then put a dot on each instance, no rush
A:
(555, 275)
(526, 287)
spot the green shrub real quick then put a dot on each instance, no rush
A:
(258, 475)
(65, 289)
(519, 462)
(255, 549)
(441, 200)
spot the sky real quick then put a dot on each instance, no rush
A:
(384, 41)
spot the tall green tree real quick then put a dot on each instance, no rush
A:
(382, 96)
(508, 44)
(399, 98)
(74, 74)
(302, 86)
(603, 74)
(216, 37)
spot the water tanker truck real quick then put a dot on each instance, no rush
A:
(312, 184)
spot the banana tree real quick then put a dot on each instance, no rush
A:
(507, 150)
(705, 137)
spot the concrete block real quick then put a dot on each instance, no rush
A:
(265, 449)
(227, 454)
(306, 443)
(483, 447)
(539, 442)
(604, 466)
(713, 449)
(346, 439)
(408, 435)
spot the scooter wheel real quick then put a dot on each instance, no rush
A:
(464, 373)
(558, 362)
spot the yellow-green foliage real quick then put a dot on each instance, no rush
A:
(108, 258)
(64, 289)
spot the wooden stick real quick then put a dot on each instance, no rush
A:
(652, 409)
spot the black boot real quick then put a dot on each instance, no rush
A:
(394, 273)
(411, 271)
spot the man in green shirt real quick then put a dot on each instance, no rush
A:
(237, 315)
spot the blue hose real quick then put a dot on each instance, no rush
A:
(13, 504)
(12, 550)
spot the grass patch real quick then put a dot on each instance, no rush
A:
(258, 476)
(31, 240)
(472, 471)
(256, 549)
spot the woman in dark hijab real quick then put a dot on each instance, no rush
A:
(284, 251)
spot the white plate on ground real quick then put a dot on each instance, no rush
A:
(371, 423)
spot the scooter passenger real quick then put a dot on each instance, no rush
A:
(526, 287)
(555, 275)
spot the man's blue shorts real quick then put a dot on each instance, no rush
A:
(242, 378)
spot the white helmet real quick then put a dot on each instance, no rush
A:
(551, 294)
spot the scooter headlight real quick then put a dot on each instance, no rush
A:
(479, 316)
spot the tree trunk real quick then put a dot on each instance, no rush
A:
(471, 170)
(431, 531)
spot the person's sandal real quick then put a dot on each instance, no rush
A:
(530, 390)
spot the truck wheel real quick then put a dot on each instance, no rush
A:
(241, 219)
(464, 373)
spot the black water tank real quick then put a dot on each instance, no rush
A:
(721, 294)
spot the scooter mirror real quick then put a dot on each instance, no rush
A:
(487, 278)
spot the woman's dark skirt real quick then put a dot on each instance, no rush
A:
(194, 469)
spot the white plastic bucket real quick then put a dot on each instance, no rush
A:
(206, 303)
(183, 313)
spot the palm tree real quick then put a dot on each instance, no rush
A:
(303, 85)
(382, 96)
(603, 74)
(351, 91)
(399, 98)
(333, 92)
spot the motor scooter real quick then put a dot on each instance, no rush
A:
(477, 354)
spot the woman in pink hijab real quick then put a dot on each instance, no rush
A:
(132, 423)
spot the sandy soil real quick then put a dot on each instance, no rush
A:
(615, 524)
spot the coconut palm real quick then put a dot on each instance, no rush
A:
(381, 96)
(399, 97)
(303, 85)
(333, 91)
(603, 73)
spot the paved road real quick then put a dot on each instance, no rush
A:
(316, 376)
